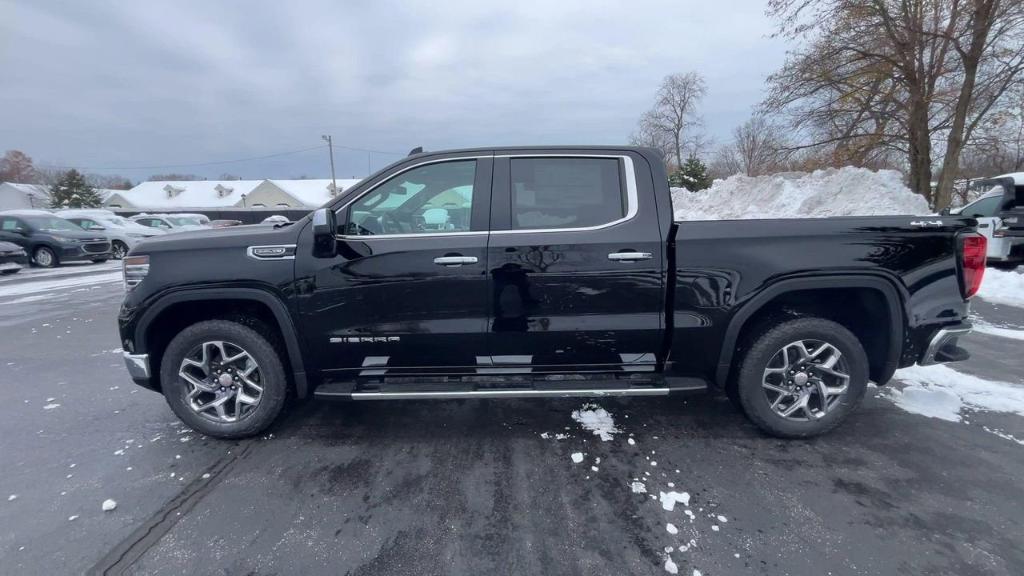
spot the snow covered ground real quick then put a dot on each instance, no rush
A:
(843, 191)
(36, 285)
(1003, 287)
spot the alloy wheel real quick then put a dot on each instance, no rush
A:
(223, 381)
(805, 380)
(44, 257)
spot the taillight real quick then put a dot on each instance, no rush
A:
(972, 262)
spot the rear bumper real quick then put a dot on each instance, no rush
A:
(944, 346)
(12, 262)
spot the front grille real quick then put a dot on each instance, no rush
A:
(96, 247)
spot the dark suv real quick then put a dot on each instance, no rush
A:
(50, 240)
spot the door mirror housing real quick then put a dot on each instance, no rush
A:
(325, 243)
(945, 211)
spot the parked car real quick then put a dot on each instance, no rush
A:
(224, 223)
(124, 234)
(169, 222)
(1000, 215)
(12, 258)
(50, 240)
(559, 272)
(276, 219)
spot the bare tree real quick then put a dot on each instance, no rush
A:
(16, 166)
(758, 147)
(173, 177)
(650, 135)
(673, 124)
(874, 77)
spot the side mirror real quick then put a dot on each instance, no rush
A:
(945, 211)
(325, 244)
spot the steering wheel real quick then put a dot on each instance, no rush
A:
(389, 224)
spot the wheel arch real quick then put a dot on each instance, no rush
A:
(166, 305)
(884, 360)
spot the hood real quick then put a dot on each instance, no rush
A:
(85, 235)
(6, 247)
(201, 238)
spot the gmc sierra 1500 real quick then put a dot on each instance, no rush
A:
(542, 271)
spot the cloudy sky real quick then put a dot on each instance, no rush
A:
(137, 87)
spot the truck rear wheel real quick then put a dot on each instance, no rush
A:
(223, 379)
(802, 378)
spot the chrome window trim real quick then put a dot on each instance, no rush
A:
(632, 202)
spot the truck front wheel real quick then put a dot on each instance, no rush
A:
(802, 378)
(223, 379)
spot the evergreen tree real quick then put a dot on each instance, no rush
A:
(693, 175)
(72, 191)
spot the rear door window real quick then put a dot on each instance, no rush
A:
(551, 193)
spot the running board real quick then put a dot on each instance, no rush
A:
(525, 393)
(350, 391)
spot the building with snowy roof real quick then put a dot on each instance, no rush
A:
(209, 194)
(14, 196)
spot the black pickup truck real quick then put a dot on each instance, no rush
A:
(542, 271)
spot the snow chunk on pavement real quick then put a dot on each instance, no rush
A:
(51, 406)
(846, 191)
(722, 519)
(108, 505)
(577, 457)
(671, 528)
(992, 330)
(638, 488)
(1002, 287)
(670, 566)
(669, 499)
(596, 419)
(940, 392)
(12, 497)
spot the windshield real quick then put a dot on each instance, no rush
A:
(185, 221)
(51, 224)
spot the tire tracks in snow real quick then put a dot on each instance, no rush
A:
(124, 554)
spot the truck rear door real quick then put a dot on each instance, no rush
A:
(575, 258)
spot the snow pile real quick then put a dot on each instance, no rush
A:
(940, 392)
(1002, 287)
(596, 419)
(846, 191)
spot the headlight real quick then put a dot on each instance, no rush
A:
(1010, 220)
(135, 268)
(66, 240)
(137, 235)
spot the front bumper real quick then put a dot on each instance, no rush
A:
(137, 364)
(90, 251)
(944, 347)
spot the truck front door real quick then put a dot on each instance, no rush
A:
(407, 293)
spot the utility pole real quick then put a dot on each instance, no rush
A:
(330, 148)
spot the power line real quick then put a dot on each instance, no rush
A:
(220, 162)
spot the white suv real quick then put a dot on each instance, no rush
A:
(123, 233)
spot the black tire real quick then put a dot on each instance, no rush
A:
(47, 255)
(118, 249)
(274, 381)
(767, 344)
(99, 260)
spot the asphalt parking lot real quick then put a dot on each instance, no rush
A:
(479, 487)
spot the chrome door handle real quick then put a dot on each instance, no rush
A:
(629, 256)
(454, 260)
